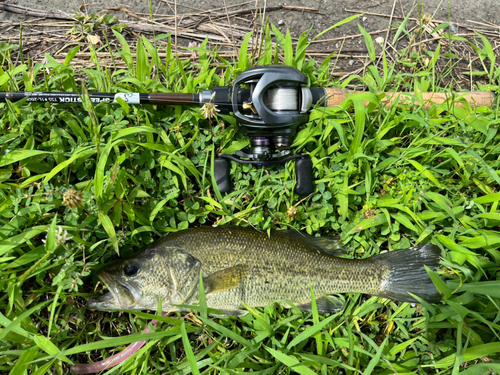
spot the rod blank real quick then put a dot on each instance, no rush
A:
(100, 97)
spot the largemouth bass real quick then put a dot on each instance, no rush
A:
(243, 266)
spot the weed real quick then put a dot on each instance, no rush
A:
(80, 184)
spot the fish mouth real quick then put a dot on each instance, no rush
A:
(121, 295)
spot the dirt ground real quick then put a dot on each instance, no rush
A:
(329, 12)
(226, 22)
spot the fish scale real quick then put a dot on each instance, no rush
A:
(244, 266)
(278, 265)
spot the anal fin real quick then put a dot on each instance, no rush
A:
(232, 312)
(325, 304)
(228, 278)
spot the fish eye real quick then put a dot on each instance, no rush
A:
(130, 270)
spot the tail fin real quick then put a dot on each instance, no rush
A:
(407, 273)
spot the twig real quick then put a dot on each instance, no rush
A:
(230, 27)
(387, 34)
(248, 11)
(347, 50)
(487, 24)
(175, 40)
(346, 37)
(437, 38)
(47, 49)
(13, 23)
(205, 11)
(410, 18)
(301, 9)
(357, 71)
(218, 29)
(478, 58)
(402, 9)
(321, 53)
(257, 35)
(85, 5)
(35, 13)
(130, 13)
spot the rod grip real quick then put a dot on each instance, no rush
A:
(475, 99)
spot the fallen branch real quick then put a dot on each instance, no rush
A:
(35, 13)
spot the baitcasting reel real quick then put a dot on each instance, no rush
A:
(269, 102)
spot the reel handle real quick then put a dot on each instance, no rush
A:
(221, 174)
(303, 174)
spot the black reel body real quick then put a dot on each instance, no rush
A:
(269, 102)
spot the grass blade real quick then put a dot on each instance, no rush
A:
(359, 128)
(18, 155)
(471, 354)
(311, 331)
(290, 361)
(368, 42)
(347, 20)
(376, 359)
(108, 226)
(228, 333)
(189, 350)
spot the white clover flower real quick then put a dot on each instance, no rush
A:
(209, 110)
(61, 237)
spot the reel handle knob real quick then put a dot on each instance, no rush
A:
(221, 174)
(304, 177)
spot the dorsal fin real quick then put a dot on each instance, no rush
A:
(225, 279)
(331, 245)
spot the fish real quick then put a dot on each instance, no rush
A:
(241, 267)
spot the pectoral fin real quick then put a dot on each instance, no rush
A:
(325, 304)
(228, 278)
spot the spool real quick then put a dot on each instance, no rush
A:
(282, 99)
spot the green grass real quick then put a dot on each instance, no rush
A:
(386, 178)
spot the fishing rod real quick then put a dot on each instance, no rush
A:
(269, 103)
